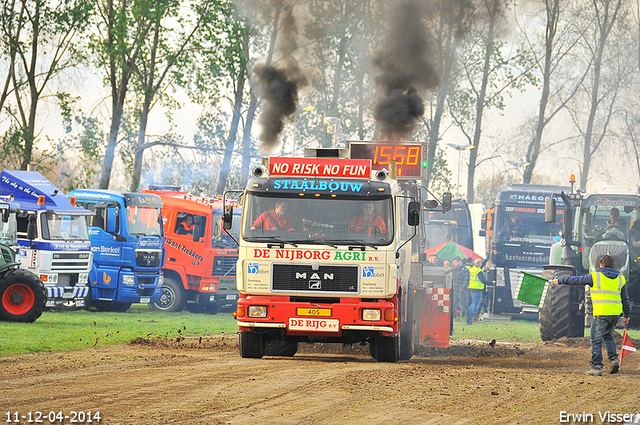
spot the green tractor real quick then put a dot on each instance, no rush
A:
(22, 293)
(565, 309)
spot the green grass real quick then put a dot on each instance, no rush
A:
(76, 330)
(514, 331)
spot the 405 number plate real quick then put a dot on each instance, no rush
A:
(314, 312)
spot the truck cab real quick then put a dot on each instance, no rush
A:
(127, 241)
(200, 266)
(52, 237)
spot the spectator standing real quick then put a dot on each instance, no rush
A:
(460, 287)
(477, 281)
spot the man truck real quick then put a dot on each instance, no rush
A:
(127, 242)
(52, 237)
(518, 239)
(336, 267)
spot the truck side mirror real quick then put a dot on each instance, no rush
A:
(112, 220)
(446, 201)
(227, 217)
(32, 230)
(413, 216)
(550, 210)
(5, 215)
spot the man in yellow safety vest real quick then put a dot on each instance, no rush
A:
(476, 287)
(610, 300)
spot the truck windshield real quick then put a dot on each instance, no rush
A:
(143, 221)
(64, 227)
(331, 221)
(220, 237)
(610, 217)
(8, 231)
(525, 224)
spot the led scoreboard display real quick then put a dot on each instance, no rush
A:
(409, 157)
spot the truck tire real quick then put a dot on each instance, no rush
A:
(251, 345)
(173, 297)
(384, 348)
(22, 296)
(562, 313)
(282, 348)
(407, 327)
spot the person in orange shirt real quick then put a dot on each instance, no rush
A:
(368, 221)
(186, 227)
(276, 219)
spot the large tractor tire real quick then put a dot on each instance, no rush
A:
(22, 296)
(173, 297)
(282, 348)
(251, 345)
(562, 313)
(385, 348)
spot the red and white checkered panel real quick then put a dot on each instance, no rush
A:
(441, 295)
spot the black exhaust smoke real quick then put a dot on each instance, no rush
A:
(278, 86)
(404, 68)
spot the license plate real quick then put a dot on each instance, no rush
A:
(231, 297)
(316, 312)
(67, 295)
(318, 325)
(80, 303)
(145, 300)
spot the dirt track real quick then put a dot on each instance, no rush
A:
(204, 381)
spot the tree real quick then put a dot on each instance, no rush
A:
(40, 40)
(167, 55)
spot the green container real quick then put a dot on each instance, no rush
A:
(530, 288)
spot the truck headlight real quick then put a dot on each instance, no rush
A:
(160, 280)
(371, 314)
(257, 311)
(128, 279)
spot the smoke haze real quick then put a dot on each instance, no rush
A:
(403, 63)
(279, 85)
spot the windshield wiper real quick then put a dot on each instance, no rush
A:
(271, 240)
(316, 242)
(360, 243)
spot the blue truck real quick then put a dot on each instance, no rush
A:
(127, 241)
(52, 237)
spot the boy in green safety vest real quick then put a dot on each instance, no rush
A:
(610, 300)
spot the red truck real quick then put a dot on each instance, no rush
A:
(200, 266)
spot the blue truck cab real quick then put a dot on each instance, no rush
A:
(52, 237)
(127, 241)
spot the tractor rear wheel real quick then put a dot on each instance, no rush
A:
(23, 296)
(562, 312)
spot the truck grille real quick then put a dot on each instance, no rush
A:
(63, 261)
(224, 265)
(148, 258)
(326, 279)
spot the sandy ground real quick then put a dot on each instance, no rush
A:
(205, 381)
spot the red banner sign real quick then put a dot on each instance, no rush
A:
(320, 167)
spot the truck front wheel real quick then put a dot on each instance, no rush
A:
(562, 312)
(23, 296)
(385, 348)
(282, 348)
(173, 297)
(251, 345)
